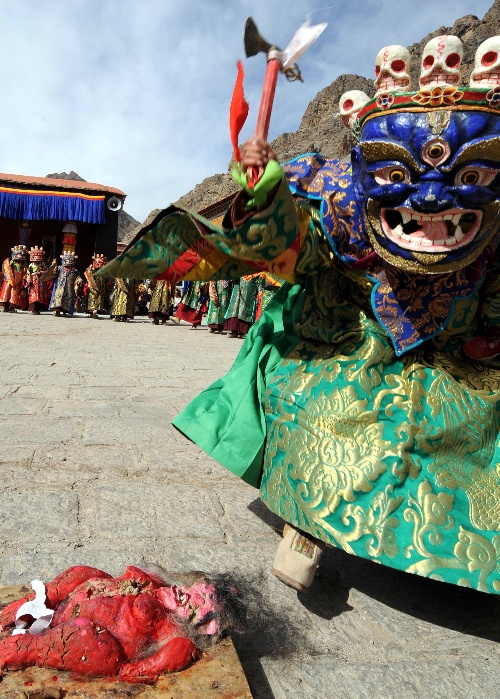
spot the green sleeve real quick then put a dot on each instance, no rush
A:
(180, 244)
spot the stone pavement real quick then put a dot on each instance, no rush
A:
(93, 473)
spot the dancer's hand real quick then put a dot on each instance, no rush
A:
(256, 153)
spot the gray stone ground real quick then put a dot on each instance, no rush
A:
(93, 473)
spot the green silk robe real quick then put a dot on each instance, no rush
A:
(391, 458)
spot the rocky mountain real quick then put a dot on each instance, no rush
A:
(126, 223)
(321, 131)
(72, 175)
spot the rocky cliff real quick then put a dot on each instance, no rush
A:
(321, 131)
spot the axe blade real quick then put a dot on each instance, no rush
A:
(303, 38)
(253, 42)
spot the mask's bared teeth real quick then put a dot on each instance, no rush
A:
(458, 234)
(398, 231)
(450, 241)
(406, 216)
(456, 219)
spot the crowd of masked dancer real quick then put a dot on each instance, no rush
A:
(30, 283)
(230, 306)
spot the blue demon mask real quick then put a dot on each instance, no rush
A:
(430, 186)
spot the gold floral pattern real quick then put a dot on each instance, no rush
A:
(438, 96)
(493, 97)
(393, 460)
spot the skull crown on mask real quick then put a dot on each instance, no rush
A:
(426, 167)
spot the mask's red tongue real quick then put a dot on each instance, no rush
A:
(432, 230)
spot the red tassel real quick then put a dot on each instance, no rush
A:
(238, 111)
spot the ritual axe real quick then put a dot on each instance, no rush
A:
(277, 61)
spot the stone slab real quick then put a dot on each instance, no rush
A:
(78, 408)
(102, 393)
(108, 461)
(312, 677)
(42, 430)
(42, 390)
(5, 390)
(17, 405)
(245, 513)
(244, 559)
(47, 373)
(155, 511)
(45, 565)
(16, 454)
(125, 430)
(32, 516)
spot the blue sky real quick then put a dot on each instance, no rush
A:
(135, 93)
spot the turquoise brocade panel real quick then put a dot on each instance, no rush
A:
(394, 460)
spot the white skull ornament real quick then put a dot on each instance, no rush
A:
(486, 71)
(441, 61)
(350, 104)
(392, 67)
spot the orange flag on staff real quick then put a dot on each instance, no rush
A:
(238, 111)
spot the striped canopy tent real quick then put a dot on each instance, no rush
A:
(45, 198)
(37, 209)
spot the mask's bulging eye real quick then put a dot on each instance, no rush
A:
(391, 175)
(397, 175)
(436, 151)
(480, 176)
(469, 177)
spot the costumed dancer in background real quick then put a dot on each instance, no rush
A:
(37, 276)
(13, 295)
(82, 298)
(123, 300)
(219, 294)
(97, 287)
(177, 298)
(365, 402)
(194, 303)
(142, 298)
(240, 313)
(68, 283)
(161, 305)
(267, 286)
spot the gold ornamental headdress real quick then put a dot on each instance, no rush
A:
(37, 254)
(19, 252)
(99, 260)
(68, 258)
